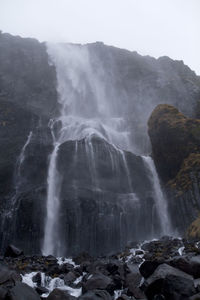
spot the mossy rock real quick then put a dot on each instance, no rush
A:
(174, 137)
(193, 231)
(184, 178)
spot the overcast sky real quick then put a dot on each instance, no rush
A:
(153, 27)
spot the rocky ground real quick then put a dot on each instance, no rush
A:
(165, 269)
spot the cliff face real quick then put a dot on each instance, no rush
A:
(26, 78)
(176, 151)
(29, 99)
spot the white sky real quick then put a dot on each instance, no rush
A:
(154, 27)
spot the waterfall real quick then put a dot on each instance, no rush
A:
(160, 200)
(88, 110)
(21, 159)
(12, 205)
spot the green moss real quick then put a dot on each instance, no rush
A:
(193, 231)
(183, 182)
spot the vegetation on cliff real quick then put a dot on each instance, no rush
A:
(174, 138)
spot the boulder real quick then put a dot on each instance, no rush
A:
(41, 290)
(13, 251)
(98, 282)
(58, 294)
(169, 282)
(148, 267)
(187, 264)
(3, 293)
(95, 295)
(22, 291)
(8, 277)
(195, 297)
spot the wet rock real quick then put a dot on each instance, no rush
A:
(69, 278)
(169, 282)
(3, 293)
(13, 251)
(37, 278)
(148, 267)
(174, 137)
(96, 295)
(125, 297)
(82, 257)
(8, 277)
(22, 291)
(58, 294)
(195, 297)
(132, 283)
(187, 264)
(41, 290)
(99, 281)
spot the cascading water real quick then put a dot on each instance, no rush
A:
(160, 201)
(90, 115)
(12, 205)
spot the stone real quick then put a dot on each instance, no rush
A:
(169, 282)
(13, 251)
(41, 290)
(22, 291)
(98, 281)
(95, 295)
(58, 294)
(8, 277)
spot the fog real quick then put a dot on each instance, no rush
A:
(151, 27)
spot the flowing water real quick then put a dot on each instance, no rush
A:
(160, 200)
(9, 213)
(88, 109)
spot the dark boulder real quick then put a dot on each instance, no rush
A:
(8, 277)
(169, 282)
(41, 290)
(13, 251)
(37, 278)
(98, 281)
(195, 297)
(81, 258)
(148, 267)
(22, 291)
(187, 264)
(95, 295)
(58, 294)
(3, 293)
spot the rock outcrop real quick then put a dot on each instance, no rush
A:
(174, 137)
(176, 150)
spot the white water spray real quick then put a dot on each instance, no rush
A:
(87, 109)
(160, 201)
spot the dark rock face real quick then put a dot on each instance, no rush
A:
(175, 144)
(174, 137)
(29, 100)
(104, 199)
(26, 78)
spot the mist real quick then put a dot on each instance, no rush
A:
(151, 27)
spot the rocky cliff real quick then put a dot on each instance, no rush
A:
(133, 85)
(176, 150)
